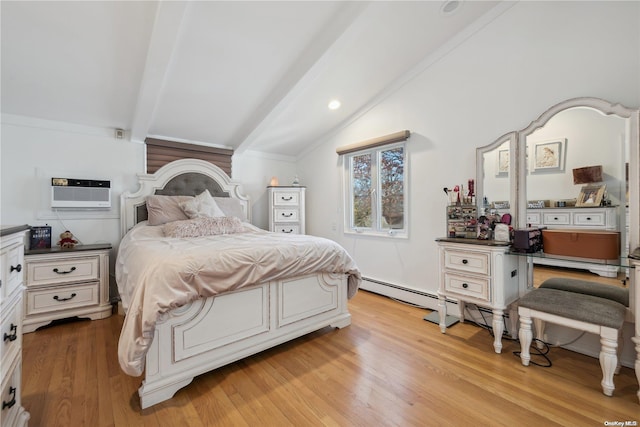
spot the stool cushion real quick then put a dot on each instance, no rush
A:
(601, 290)
(585, 308)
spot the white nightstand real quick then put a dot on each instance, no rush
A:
(481, 272)
(286, 209)
(64, 283)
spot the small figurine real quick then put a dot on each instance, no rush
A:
(66, 240)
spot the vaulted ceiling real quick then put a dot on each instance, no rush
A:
(237, 74)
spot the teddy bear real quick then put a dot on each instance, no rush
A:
(66, 240)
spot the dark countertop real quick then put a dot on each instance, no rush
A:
(77, 248)
(473, 241)
(5, 230)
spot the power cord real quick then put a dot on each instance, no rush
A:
(534, 349)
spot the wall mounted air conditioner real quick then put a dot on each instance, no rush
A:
(80, 193)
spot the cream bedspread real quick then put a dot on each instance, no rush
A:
(156, 273)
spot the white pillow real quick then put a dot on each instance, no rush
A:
(202, 206)
(203, 227)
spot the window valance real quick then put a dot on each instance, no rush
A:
(375, 142)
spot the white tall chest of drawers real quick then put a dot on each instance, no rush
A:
(11, 305)
(286, 209)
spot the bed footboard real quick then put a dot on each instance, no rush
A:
(216, 331)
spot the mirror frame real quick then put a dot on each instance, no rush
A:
(632, 117)
(512, 138)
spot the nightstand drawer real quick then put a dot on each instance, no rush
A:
(589, 218)
(286, 215)
(287, 228)
(11, 332)
(79, 269)
(62, 297)
(467, 261)
(286, 198)
(469, 286)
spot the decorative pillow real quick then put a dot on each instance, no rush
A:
(205, 226)
(202, 206)
(231, 207)
(163, 209)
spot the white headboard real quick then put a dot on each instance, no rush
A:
(187, 177)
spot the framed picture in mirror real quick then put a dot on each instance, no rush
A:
(591, 195)
(548, 155)
(502, 163)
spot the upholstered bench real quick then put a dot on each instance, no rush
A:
(580, 305)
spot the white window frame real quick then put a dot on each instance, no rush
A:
(376, 228)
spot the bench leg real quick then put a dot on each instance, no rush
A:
(608, 358)
(525, 335)
(539, 327)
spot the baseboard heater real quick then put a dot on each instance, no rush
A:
(404, 289)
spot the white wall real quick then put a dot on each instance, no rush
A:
(499, 79)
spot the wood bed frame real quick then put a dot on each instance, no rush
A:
(216, 331)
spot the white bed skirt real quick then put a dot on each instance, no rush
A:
(216, 331)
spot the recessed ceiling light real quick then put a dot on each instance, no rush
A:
(448, 7)
(334, 104)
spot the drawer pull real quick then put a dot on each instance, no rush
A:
(57, 298)
(287, 231)
(14, 333)
(55, 270)
(287, 215)
(287, 199)
(12, 390)
(465, 285)
(555, 218)
(588, 218)
(17, 268)
(465, 261)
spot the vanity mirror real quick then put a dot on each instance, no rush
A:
(555, 150)
(495, 180)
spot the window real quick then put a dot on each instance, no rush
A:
(376, 191)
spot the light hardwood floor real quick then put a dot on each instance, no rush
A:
(389, 368)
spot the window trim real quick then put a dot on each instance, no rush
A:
(377, 217)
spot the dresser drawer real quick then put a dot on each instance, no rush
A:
(287, 228)
(11, 389)
(286, 198)
(472, 262)
(79, 269)
(597, 218)
(47, 300)
(468, 286)
(534, 218)
(13, 266)
(557, 218)
(286, 215)
(11, 332)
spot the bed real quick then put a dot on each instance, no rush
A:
(193, 304)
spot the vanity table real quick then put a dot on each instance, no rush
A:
(581, 132)
(596, 218)
(481, 272)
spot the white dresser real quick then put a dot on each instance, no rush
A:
(598, 218)
(479, 272)
(64, 283)
(286, 209)
(11, 290)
